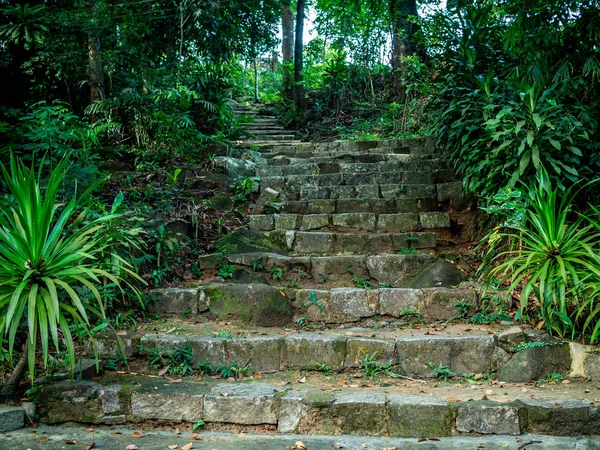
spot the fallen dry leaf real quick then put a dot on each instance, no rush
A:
(122, 333)
(91, 446)
(43, 439)
(225, 394)
(172, 447)
(196, 437)
(70, 442)
(187, 446)
(301, 380)
(131, 447)
(88, 429)
(163, 371)
(300, 445)
(137, 434)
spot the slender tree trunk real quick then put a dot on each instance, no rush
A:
(12, 384)
(299, 99)
(255, 80)
(95, 62)
(403, 32)
(287, 46)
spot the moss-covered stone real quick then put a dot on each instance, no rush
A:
(255, 304)
(247, 241)
(70, 401)
(569, 418)
(420, 416)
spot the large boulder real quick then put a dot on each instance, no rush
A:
(256, 304)
(441, 273)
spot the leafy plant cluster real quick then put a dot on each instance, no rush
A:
(516, 91)
(549, 254)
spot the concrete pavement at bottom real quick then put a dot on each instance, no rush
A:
(77, 437)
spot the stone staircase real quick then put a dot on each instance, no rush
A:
(336, 298)
(263, 128)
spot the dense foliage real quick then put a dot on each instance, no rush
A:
(517, 90)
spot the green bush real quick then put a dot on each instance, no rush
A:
(47, 250)
(552, 256)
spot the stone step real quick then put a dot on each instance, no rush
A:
(269, 306)
(340, 158)
(157, 439)
(307, 409)
(264, 144)
(260, 127)
(298, 243)
(274, 137)
(407, 270)
(353, 168)
(372, 222)
(517, 354)
(294, 183)
(360, 205)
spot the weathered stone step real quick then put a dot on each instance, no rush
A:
(340, 158)
(294, 183)
(333, 243)
(418, 270)
(156, 439)
(352, 168)
(274, 137)
(375, 222)
(441, 191)
(309, 410)
(266, 144)
(262, 127)
(361, 205)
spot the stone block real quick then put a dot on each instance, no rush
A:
(439, 303)
(397, 223)
(359, 413)
(168, 406)
(314, 222)
(398, 270)
(286, 221)
(173, 301)
(350, 243)
(488, 418)
(305, 351)
(358, 347)
(378, 243)
(307, 243)
(11, 418)
(256, 304)
(422, 240)
(266, 195)
(357, 221)
(208, 349)
(510, 338)
(291, 410)
(243, 404)
(321, 206)
(393, 302)
(535, 363)
(263, 354)
(419, 416)
(462, 354)
(434, 220)
(367, 191)
(261, 222)
(449, 191)
(420, 191)
(441, 273)
(338, 265)
(567, 418)
(350, 305)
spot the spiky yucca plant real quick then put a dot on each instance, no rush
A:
(46, 249)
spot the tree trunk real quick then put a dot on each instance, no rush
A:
(299, 100)
(287, 47)
(255, 80)
(95, 63)
(403, 31)
(11, 387)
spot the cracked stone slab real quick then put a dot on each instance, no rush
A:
(167, 406)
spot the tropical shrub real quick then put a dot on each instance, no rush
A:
(509, 98)
(551, 256)
(47, 250)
